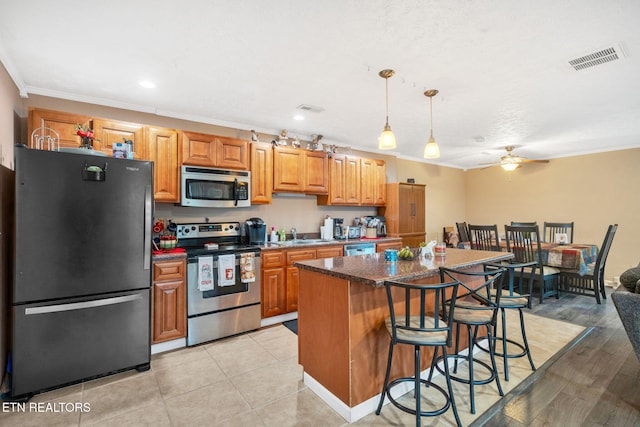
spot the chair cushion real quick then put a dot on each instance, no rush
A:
(419, 337)
(548, 270)
(510, 301)
(467, 315)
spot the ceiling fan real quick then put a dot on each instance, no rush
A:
(510, 162)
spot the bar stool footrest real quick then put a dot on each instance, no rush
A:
(476, 381)
(428, 384)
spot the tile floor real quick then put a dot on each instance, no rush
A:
(249, 380)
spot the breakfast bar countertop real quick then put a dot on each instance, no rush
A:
(374, 270)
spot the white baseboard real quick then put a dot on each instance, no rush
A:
(168, 345)
(268, 321)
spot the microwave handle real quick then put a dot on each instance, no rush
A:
(235, 192)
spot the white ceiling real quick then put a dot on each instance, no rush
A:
(501, 68)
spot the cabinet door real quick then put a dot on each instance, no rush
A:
(406, 208)
(62, 123)
(162, 149)
(316, 176)
(413, 240)
(293, 279)
(273, 292)
(367, 187)
(198, 149)
(261, 172)
(288, 169)
(379, 183)
(108, 132)
(232, 153)
(169, 312)
(419, 198)
(352, 180)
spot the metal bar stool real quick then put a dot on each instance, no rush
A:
(420, 325)
(474, 308)
(515, 294)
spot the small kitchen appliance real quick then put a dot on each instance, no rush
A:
(338, 225)
(381, 227)
(256, 231)
(229, 303)
(215, 188)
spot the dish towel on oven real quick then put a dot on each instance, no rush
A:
(205, 273)
(226, 270)
(247, 272)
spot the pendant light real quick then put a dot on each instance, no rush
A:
(387, 140)
(431, 150)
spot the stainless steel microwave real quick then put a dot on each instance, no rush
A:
(215, 188)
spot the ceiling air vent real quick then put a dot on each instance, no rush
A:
(599, 57)
(311, 108)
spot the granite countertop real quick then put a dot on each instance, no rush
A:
(306, 243)
(164, 256)
(374, 270)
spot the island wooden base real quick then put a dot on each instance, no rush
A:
(342, 341)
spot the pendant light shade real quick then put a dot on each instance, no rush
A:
(431, 150)
(387, 140)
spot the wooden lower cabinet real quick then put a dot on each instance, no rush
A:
(169, 312)
(280, 279)
(380, 247)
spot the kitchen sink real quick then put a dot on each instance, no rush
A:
(299, 242)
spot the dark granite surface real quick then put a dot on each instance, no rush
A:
(374, 270)
(165, 256)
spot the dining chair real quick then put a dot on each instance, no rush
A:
(592, 282)
(473, 308)
(463, 231)
(515, 294)
(484, 237)
(412, 322)
(552, 228)
(524, 242)
(523, 224)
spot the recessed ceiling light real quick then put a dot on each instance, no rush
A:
(147, 84)
(298, 117)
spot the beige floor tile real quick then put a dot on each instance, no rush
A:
(252, 418)
(282, 347)
(154, 415)
(245, 357)
(58, 394)
(206, 406)
(271, 332)
(178, 357)
(300, 409)
(189, 376)
(230, 345)
(120, 397)
(264, 385)
(110, 379)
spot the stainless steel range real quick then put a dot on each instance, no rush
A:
(223, 281)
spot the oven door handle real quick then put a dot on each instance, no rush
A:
(235, 192)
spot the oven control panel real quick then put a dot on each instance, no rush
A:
(209, 229)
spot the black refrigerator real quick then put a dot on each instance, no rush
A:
(80, 300)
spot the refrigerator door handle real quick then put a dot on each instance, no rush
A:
(148, 213)
(81, 305)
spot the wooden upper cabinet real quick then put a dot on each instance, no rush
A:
(288, 169)
(62, 123)
(162, 149)
(232, 153)
(344, 181)
(380, 183)
(200, 149)
(368, 184)
(316, 172)
(405, 212)
(108, 132)
(261, 172)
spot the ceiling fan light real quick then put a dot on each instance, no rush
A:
(431, 150)
(387, 140)
(509, 166)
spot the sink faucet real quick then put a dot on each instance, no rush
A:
(294, 233)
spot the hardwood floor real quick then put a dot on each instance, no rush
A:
(595, 383)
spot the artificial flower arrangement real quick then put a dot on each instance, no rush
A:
(84, 131)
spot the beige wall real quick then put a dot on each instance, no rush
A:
(593, 191)
(10, 104)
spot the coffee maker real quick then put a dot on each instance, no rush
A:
(338, 224)
(256, 231)
(381, 227)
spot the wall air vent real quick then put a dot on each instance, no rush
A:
(599, 57)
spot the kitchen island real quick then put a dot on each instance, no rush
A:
(342, 306)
